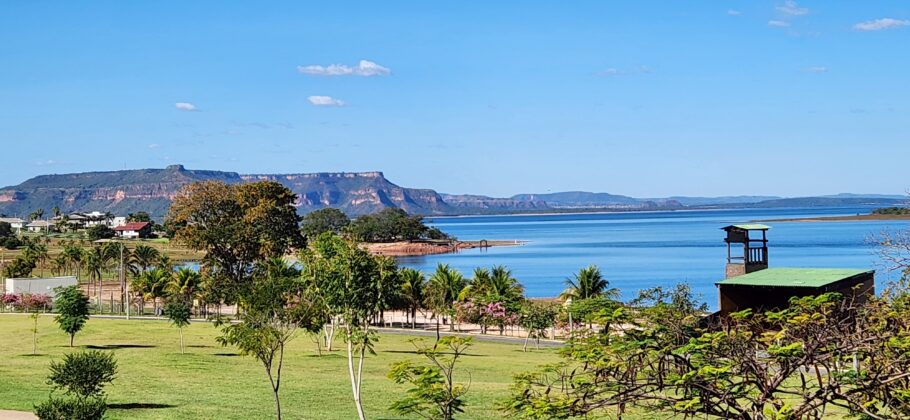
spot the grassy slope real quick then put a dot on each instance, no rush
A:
(213, 382)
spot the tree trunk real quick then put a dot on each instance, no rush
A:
(413, 317)
(528, 338)
(355, 388)
(181, 340)
(73, 335)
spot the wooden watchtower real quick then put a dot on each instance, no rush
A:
(754, 249)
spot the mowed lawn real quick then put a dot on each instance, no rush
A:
(155, 381)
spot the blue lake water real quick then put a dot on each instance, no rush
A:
(641, 250)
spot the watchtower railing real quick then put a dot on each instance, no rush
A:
(755, 255)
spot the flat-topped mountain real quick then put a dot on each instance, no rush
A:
(356, 193)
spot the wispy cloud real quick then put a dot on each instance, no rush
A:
(325, 101)
(46, 162)
(185, 106)
(791, 8)
(613, 71)
(363, 68)
(154, 146)
(778, 24)
(732, 12)
(816, 69)
(880, 24)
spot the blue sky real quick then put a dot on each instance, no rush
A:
(641, 98)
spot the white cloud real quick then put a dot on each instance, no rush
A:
(185, 106)
(791, 8)
(613, 71)
(778, 23)
(880, 24)
(816, 69)
(732, 12)
(154, 146)
(46, 162)
(363, 68)
(325, 101)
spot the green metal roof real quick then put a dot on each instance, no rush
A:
(748, 226)
(793, 277)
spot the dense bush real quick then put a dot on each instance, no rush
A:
(83, 374)
(392, 225)
(10, 242)
(895, 211)
(25, 301)
(71, 408)
(323, 220)
(97, 232)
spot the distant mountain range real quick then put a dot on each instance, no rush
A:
(151, 190)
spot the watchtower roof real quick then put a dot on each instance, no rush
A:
(746, 226)
(794, 277)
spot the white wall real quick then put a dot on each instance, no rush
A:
(44, 286)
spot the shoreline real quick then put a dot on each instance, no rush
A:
(854, 218)
(420, 248)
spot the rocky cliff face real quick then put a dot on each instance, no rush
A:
(152, 190)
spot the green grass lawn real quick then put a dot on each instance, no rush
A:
(155, 381)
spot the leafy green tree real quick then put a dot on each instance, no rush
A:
(350, 283)
(536, 318)
(97, 232)
(274, 309)
(139, 216)
(6, 230)
(413, 289)
(178, 312)
(19, 267)
(390, 225)
(434, 393)
(236, 225)
(588, 283)
(72, 310)
(320, 221)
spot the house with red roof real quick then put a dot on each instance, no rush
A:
(134, 230)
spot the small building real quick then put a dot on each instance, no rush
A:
(134, 230)
(14, 222)
(772, 288)
(750, 284)
(44, 286)
(41, 226)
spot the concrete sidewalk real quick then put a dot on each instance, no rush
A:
(16, 415)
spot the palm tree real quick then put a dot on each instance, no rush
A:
(276, 268)
(152, 285)
(96, 263)
(445, 287)
(588, 283)
(144, 257)
(56, 211)
(184, 283)
(413, 288)
(37, 252)
(59, 264)
(36, 215)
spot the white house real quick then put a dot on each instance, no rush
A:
(14, 222)
(41, 226)
(134, 230)
(118, 221)
(44, 286)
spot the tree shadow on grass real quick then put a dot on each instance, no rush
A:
(120, 346)
(32, 355)
(139, 406)
(227, 354)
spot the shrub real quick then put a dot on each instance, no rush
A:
(71, 408)
(97, 232)
(84, 374)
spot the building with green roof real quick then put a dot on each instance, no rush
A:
(750, 284)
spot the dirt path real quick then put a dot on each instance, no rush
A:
(16, 415)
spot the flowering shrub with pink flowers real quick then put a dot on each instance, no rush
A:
(485, 314)
(26, 302)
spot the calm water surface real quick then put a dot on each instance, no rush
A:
(641, 250)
